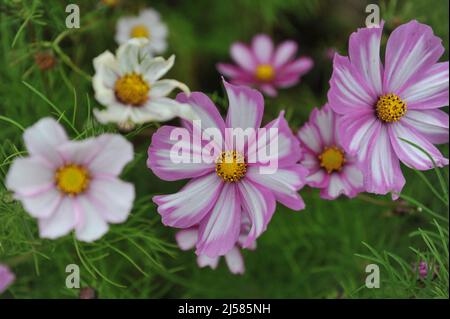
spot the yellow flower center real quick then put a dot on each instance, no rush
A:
(72, 179)
(265, 72)
(332, 159)
(132, 89)
(231, 166)
(140, 31)
(390, 108)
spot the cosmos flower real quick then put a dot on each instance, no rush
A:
(6, 278)
(382, 106)
(146, 25)
(72, 184)
(130, 86)
(187, 238)
(265, 67)
(226, 183)
(330, 167)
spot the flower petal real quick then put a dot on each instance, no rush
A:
(382, 172)
(277, 145)
(260, 204)
(162, 109)
(429, 90)
(61, 222)
(166, 162)
(7, 277)
(204, 109)
(187, 238)
(29, 176)
(91, 225)
(163, 88)
(112, 197)
(349, 92)
(284, 53)
(219, 230)
(412, 49)
(113, 153)
(432, 124)
(42, 138)
(206, 261)
(410, 155)
(154, 69)
(235, 261)
(364, 52)
(131, 54)
(246, 107)
(356, 132)
(284, 183)
(189, 206)
(243, 57)
(262, 47)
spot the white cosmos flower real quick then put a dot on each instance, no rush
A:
(146, 25)
(130, 86)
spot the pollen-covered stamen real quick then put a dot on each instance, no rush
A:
(264, 72)
(231, 166)
(390, 108)
(132, 89)
(72, 179)
(332, 159)
(140, 31)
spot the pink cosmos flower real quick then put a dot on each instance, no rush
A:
(187, 238)
(222, 187)
(265, 67)
(330, 167)
(6, 278)
(384, 105)
(72, 184)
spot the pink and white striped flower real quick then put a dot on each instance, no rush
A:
(219, 191)
(70, 185)
(6, 278)
(383, 105)
(187, 238)
(330, 167)
(265, 67)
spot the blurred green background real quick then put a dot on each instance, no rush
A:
(320, 252)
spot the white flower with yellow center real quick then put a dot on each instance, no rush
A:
(146, 25)
(130, 86)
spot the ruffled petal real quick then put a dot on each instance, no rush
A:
(364, 52)
(284, 183)
(260, 205)
(163, 88)
(219, 230)
(349, 92)
(192, 203)
(154, 69)
(412, 49)
(382, 172)
(431, 124)
(246, 107)
(429, 90)
(412, 156)
(165, 160)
